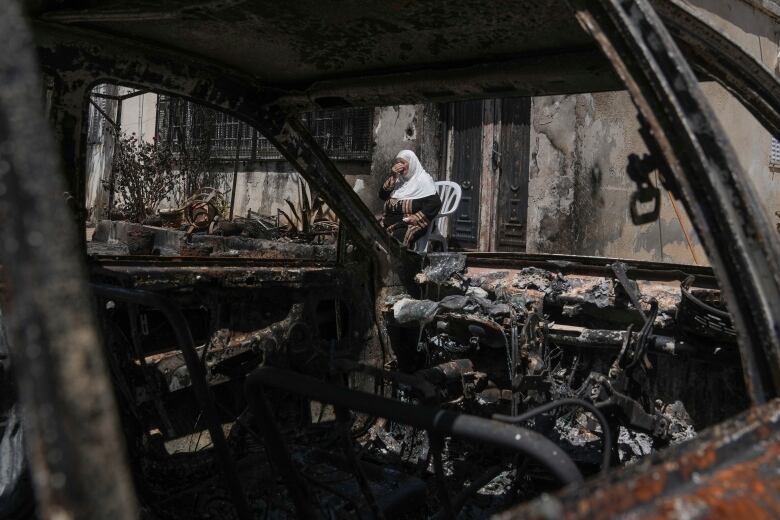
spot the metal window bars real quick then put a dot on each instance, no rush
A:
(774, 156)
(345, 134)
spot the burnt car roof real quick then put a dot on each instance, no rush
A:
(304, 45)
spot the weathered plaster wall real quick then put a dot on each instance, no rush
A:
(413, 127)
(755, 26)
(139, 114)
(98, 169)
(579, 191)
(265, 191)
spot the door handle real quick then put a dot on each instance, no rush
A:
(514, 188)
(466, 185)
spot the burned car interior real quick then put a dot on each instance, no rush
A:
(355, 378)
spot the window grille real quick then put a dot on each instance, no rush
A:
(98, 123)
(345, 134)
(774, 156)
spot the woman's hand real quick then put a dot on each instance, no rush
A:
(399, 168)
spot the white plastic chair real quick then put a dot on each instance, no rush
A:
(449, 193)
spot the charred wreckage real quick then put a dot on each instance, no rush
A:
(381, 383)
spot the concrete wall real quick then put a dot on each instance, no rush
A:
(579, 191)
(412, 127)
(99, 156)
(265, 189)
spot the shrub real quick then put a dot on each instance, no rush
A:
(143, 176)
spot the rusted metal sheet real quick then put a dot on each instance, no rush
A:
(370, 40)
(594, 266)
(167, 276)
(730, 471)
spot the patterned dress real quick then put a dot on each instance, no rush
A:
(418, 212)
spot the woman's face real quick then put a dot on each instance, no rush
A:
(400, 166)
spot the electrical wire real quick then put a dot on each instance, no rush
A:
(552, 405)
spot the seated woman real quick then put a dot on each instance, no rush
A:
(411, 199)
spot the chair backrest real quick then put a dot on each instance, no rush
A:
(449, 193)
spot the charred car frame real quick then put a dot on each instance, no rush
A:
(384, 384)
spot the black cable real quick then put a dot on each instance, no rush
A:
(335, 492)
(530, 414)
(435, 420)
(644, 335)
(344, 420)
(437, 446)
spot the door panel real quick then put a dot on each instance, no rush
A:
(514, 148)
(466, 124)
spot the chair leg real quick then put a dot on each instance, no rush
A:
(444, 244)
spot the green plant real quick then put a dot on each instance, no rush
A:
(309, 211)
(143, 176)
(194, 129)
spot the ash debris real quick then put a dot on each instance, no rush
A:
(541, 280)
(442, 267)
(506, 343)
(533, 348)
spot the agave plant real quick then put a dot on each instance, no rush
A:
(309, 211)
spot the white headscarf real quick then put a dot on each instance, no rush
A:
(417, 183)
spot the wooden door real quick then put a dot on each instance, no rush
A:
(465, 122)
(514, 149)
